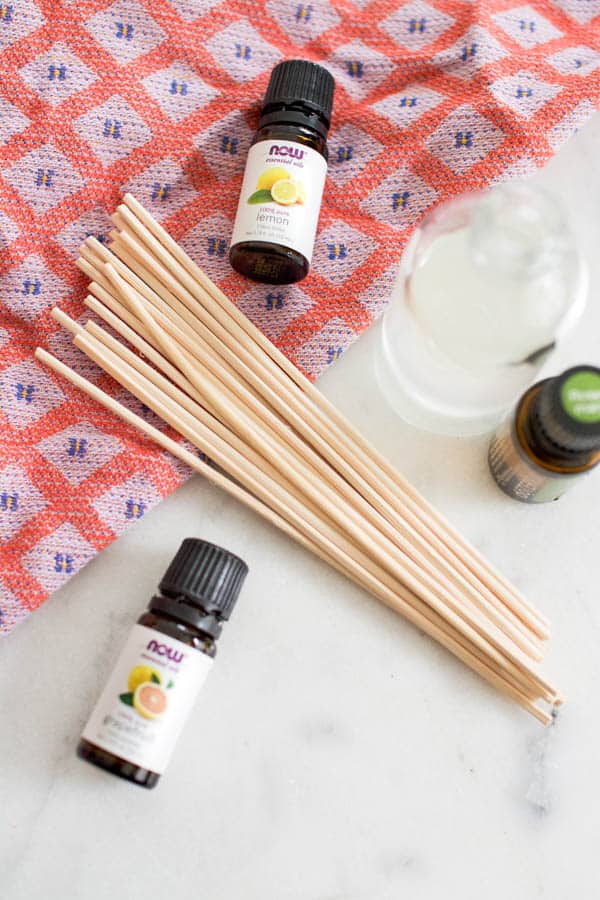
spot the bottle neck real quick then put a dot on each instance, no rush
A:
(181, 610)
(297, 114)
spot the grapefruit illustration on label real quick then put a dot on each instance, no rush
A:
(144, 692)
(150, 700)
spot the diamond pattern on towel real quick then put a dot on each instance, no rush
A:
(433, 98)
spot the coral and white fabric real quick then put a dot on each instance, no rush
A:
(161, 99)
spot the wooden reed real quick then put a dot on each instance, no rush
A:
(286, 453)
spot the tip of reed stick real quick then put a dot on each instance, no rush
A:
(66, 321)
(118, 217)
(82, 339)
(93, 243)
(94, 288)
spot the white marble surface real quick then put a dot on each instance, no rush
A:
(336, 754)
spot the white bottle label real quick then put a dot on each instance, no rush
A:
(147, 699)
(281, 196)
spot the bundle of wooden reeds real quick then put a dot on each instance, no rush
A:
(280, 447)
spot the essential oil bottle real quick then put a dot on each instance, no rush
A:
(279, 204)
(143, 708)
(552, 438)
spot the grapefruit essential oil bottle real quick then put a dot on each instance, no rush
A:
(279, 203)
(143, 708)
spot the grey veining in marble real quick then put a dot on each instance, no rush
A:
(336, 753)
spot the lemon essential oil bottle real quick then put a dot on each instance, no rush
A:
(281, 193)
(552, 438)
(144, 706)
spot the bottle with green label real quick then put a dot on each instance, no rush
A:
(552, 438)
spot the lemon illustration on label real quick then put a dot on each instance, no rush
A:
(139, 674)
(149, 700)
(277, 186)
(284, 192)
(267, 179)
(301, 192)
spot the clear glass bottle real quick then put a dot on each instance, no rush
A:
(487, 286)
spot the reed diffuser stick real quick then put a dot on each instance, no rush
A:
(226, 312)
(193, 359)
(154, 401)
(337, 507)
(163, 301)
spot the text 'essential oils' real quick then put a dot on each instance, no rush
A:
(279, 204)
(144, 706)
(552, 439)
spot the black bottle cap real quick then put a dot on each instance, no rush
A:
(302, 84)
(566, 414)
(206, 576)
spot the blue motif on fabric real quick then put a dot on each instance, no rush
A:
(124, 31)
(134, 509)
(229, 144)
(44, 177)
(216, 246)
(112, 128)
(333, 353)
(274, 301)
(77, 447)
(400, 200)
(524, 92)
(24, 392)
(63, 562)
(464, 139)
(32, 287)
(355, 68)
(9, 501)
(160, 191)
(178, 87)
(417, 26)
(345, 153)
(57, 73)
(6, 13)
(336, 251)
(468, 52)
(303, 12)
(408, 101)
(243, 51)
(525, 25)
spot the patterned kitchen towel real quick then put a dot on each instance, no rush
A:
(98, 96)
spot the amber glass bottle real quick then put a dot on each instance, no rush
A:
(551, 439)
(279, 204)
(143, 708)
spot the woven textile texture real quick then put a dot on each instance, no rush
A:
(433, 97)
